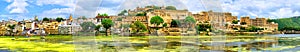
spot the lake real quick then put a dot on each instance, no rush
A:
(222, 43)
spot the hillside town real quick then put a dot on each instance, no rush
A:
(139, 21)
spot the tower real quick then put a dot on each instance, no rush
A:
(70, 18)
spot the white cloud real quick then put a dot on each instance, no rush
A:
(8, 0)
(132, 4)
(86, 7)
(13, 17)
(194, 6)
(18, 6)
(262, 8)
(69, 3)
(109, 11)
(57, 12)
(285, 12)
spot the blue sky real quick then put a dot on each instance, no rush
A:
(27, 9)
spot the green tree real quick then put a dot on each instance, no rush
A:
(203, 27)
(156, 20)
(46, 19)
(235, 21)
(270, 20)
(59, 19)
(139, 26)
(243, 23)
(190, 21)
(105, 14)
(107, 23)
(87, 26)
(165, 25)
(102, 14)
(156, 7)
(254, 29)
(84, 18)
(122, 13)
(175, 23)
(171, 8)
(243, 28)
(98, 27)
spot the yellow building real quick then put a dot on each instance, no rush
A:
(217, 19)
(3, 29)
(202, 17)
(166, 17)
(247, 20)
(229, 17)
(260, 22)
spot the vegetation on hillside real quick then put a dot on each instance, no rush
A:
(292, 23)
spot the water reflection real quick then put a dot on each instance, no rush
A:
(267, 43)
(231, 43)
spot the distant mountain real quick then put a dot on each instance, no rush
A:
(288, 22)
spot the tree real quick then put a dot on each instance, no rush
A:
(254, 29)
(99, 14)
(171, 8)
(203, 27)
(175, 23)
(97, 27)
(122, 13)
(84, 18)
(189, 20)
(235, 21)
(107, 23)
(46, 19)
(243, 28)
(87, 26)
(165, 25)
(59, 19)
(105, 14)
(243, 23)
(138, 26)
(102, 14)
(156, 7)
(270, 20)
(156, 20)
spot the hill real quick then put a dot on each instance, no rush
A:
(283, 23)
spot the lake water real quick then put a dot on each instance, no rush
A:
(218, 43)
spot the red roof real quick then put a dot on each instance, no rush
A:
(102, 16)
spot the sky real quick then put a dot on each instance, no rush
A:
(27, 9)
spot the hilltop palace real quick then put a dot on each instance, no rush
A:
(218, 20)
